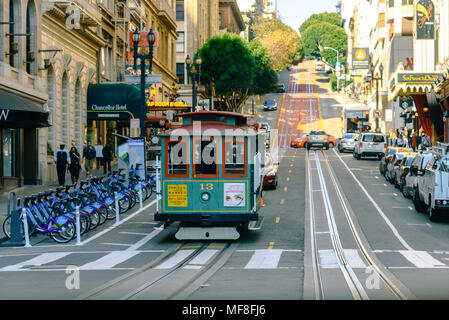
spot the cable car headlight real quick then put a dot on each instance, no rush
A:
(205, 196)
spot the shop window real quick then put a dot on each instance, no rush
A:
(234, 163)
(205, 158)
(9, 151)
(177, 158)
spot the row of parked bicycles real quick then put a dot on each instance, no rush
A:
(53, 213)
(422, 176)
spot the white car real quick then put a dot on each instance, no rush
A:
(370, 144)
(432, 187)
(417, 166)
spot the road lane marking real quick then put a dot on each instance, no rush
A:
(140, 243)
(420, 224)
(421, 259)
(204, 257)
(109, 261)
(328, 259)
(379, 210)
(282, 201)
(278, 219)
(291, 165)
(264, 259)
(116, 244)
(288, 179)
(289, 171)
(136, 233)
(285, 188)
(41, 259)
(177, 258)
(270, 247)
(354, 259)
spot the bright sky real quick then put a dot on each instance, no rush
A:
(295, 12)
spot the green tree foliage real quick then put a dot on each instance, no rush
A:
(332, 18)
(324, 34)
(265, 78)
(283, 44)
(227, 61)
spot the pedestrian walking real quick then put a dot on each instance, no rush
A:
(99, 155)
(107, 158)
(89, 154)
(75, 165)
(62, 159)
(425, 140)
(400, 141)
(414, 142)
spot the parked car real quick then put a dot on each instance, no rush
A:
(403, 170)
(270, 176)
(432, 187)
(281, 87)
(300, 142)
(392, 165)
(317, 138)
(270, 105)
(319, 66)
(332, 141)
(370, 144)
(389, 153)
(346, 143)
(419, 162)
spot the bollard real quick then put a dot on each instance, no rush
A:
(157, 185)
(140, 195)
(117, 211)
(78, 233)
(25, 228)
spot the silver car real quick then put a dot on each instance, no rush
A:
(317, 138)
(346, 143)
(417, 166)
(392, 166)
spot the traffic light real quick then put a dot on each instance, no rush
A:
(174, 95)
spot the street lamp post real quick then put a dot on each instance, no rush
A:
(381, 69)
(142, 57)
(195, 75)
(338, 64)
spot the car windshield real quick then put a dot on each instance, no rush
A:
(317, 133)
(270, 103)
(373, 138)
(304, 136)
(349, 136)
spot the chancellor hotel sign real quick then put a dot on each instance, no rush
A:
(117, 107)
(418, 77)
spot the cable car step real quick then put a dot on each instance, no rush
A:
(207, 233)
(256, 225)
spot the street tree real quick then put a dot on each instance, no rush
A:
(265, 78)
(324, 34)
(228, 63)
(332, 18)
(283, 44)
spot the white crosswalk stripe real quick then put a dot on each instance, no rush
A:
(109, 261)
(421, 259)
(264, 259)
(37, 261)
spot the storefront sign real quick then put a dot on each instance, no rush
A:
(425, 20)
(418, 77)
(360, 58)
(177, 195)
(234, 194)
(356, 114)
(162, 105)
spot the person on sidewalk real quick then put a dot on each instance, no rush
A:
(107, 158)
(99, 155)
(89, 155)
(414, 142)
(425, 140)
(75, 165)
(62, 159)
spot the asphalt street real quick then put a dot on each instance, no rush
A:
(333, 229)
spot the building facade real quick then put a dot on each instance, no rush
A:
(23, 97)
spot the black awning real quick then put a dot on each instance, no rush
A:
(113, 101)
(19, 112)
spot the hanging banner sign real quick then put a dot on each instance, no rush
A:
(130, 54)
(425, 20)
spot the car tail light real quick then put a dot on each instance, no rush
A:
(438, 202)
(343, 141)
(361, 144)
(385, 145)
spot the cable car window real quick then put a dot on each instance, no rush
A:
(205, 161)
(177, 159)
(234, 158)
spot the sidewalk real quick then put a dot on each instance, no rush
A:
(33, 189)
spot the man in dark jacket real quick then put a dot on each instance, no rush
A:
(107, 158)
(89, 154)
(62, 160)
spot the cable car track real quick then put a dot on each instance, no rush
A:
(115, 288)
(357, 290)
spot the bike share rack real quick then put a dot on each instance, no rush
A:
(16, 232)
